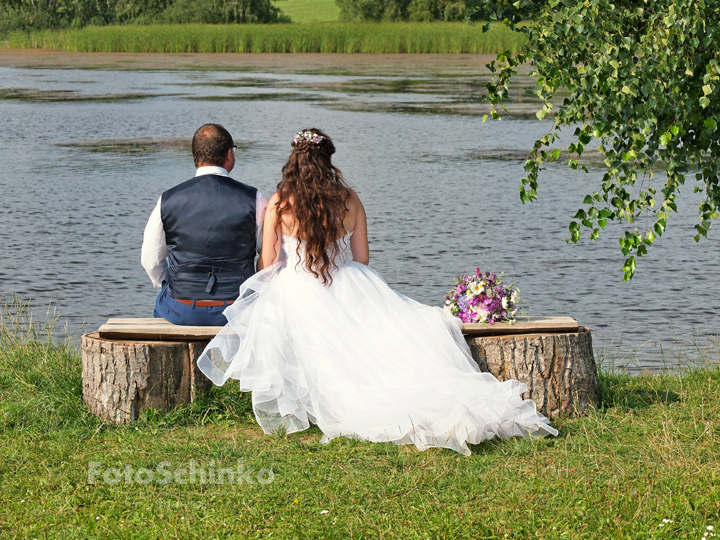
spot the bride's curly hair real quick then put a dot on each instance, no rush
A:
(314, 192)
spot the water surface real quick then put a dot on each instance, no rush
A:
(90, 142)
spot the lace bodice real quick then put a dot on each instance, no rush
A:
(291, 255)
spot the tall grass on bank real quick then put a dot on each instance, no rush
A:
(645, 464)
(276, 38)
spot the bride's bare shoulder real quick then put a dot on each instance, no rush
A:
(273, 200)
(353, 201)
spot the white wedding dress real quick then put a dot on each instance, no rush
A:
(360, 360)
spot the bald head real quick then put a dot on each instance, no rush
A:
(210, 145)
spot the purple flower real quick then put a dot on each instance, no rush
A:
(464, 304)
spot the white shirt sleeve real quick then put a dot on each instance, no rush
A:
(154, 248)
(260, 207)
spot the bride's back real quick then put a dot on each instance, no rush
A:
(314, 205)
(291, 224)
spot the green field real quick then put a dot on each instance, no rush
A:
(646, 464)
(305, 11)
(276, 38)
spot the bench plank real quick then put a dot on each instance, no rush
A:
(545, 325)
(155, 330)
(160, 329)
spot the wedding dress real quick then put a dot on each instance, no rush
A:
(360, 360)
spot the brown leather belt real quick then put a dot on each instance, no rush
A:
(206, 303)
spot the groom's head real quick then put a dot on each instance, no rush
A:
(213, 145)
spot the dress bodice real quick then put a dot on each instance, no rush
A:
(291, 255)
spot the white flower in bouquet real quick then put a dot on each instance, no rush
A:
(475, 288)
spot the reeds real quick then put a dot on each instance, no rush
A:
(276, 38)
(19, 324)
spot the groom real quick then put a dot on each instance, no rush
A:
(201, 238)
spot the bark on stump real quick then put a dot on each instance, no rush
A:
(122, 378)
(558, 369)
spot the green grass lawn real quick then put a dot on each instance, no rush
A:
(305, 11)
(645, 465)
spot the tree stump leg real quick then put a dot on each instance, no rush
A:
(123, 378)
(559, 370)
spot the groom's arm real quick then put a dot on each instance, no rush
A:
(260, 208)
(154, 248)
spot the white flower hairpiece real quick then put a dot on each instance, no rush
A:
(308, 136)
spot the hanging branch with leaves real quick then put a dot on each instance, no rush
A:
(643, 81)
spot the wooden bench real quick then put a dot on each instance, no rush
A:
(132, 364)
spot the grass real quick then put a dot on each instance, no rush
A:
(308, 11)
(277, 38)
(650, 453)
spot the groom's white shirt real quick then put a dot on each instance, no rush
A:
(154, 248)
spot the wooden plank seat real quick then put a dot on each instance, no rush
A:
(160, 329)
(155, 330)
(132, 364)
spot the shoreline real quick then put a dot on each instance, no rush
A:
(445, 65)
(59, 58)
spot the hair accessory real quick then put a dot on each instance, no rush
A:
(307, 136)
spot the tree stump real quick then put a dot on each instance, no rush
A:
(141, 363)
(558, 369)
(122, 378)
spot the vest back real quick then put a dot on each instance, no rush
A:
(210, 231)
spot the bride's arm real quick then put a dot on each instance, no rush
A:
(359, 239)
(272, 236)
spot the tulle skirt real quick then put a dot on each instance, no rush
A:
(361, 360)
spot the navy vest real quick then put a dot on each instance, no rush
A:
(210, 231)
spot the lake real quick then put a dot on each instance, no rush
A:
(90, 141)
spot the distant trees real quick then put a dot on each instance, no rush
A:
(403, 10)
(40, 14)
(21, 14)
(220, 12)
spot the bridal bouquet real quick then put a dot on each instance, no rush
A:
(482, 299)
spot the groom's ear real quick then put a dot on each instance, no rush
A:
(229, 160)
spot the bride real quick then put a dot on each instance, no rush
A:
(318, 336)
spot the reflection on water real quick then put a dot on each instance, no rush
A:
(81, 176)
(143, 145)
(38, 96)
(266, 96)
